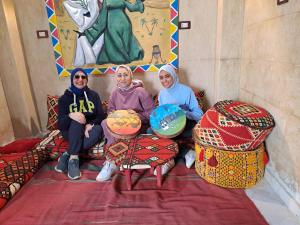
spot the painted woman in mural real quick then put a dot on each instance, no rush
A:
(84, 13)
(120, 45)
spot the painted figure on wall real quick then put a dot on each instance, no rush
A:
(104, 33)
(84, 13)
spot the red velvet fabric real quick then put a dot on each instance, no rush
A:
(22, 145)
(184, 198)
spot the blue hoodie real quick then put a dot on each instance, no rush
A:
(181, 95)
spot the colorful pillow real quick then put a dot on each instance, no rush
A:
(250, 127)
(22, 145)
(52, 105)
(16, 169)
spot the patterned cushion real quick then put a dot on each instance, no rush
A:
(56, 145)
(200, 96)
(16, 169)
(52, 105)
(220, 131)
(230, 169)
(246, 114)
(143, 151)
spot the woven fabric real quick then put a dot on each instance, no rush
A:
(16, 169)
(56, 145)
(217, 130)
(228, 168)
(52, 106)
(142, 150)
(246, 114)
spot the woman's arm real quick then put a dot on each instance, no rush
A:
(138, 6)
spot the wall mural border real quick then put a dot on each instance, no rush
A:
(95, 70)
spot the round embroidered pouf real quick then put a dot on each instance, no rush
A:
(230, 169)
(234, 126)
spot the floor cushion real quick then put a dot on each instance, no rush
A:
(17, 168)
(234, 126)
(230, 169)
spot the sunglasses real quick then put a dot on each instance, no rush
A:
(78, 76)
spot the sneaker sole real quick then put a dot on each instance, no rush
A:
(74, 178)
(58, 170)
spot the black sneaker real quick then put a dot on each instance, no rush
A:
(62, 164)
(73, 169)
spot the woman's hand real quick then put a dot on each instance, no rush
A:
(78, 116)
(88, 127)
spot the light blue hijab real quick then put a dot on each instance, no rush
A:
(170, 70)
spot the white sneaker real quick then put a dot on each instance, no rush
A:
(165, 168)
(109, 168)
(190, 157)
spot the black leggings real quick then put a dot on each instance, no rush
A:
(77, 140)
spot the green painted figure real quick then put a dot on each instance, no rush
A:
(120, 44)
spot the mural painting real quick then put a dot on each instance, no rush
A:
(98, 35)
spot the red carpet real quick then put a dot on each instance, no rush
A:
(50, 198)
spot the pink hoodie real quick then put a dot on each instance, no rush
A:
(135, 98)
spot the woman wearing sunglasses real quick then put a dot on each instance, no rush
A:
(80, 115)
(128, 95)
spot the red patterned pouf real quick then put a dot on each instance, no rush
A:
(234, 125)
(141, 152)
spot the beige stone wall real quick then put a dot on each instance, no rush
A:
(14, 76)
(270, 77)
(6, 130)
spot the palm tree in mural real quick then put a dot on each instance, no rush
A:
(144, 22)
(154, 22)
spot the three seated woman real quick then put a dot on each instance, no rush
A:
(81, 118)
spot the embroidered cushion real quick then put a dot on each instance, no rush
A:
(237, 127)
(16, 169)
(230, 169)
(52, 106)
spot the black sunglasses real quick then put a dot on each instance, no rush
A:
(78, 76)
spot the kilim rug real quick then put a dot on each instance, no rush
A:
(50, 198)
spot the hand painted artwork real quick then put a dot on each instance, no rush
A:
(123, 123)
(98, 35)
(167, 120)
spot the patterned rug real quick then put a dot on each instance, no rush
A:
(50, 198)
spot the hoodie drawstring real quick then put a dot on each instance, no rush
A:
(86, 98)
(74, 99)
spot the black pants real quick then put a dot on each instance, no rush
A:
(77, 140)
